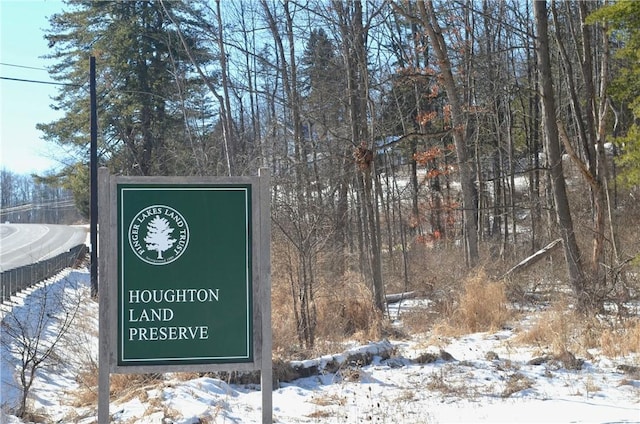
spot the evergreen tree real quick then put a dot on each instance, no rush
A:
(144, 77)
(623, 19)
(323, 104)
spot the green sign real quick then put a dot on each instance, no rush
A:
(184, 274)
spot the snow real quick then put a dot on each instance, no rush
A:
(486, 379)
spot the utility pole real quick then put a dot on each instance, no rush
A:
(94, 178)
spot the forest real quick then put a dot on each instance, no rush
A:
(411, 144)
(33, 199)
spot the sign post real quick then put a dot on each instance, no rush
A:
(191, 287)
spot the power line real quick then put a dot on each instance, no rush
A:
(40, 82)
(22, 66)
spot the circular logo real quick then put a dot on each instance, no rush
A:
(158, 235)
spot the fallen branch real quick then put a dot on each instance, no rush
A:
(527, 262)
(287, 371)
(397, 297)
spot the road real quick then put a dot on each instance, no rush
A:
(22, 244)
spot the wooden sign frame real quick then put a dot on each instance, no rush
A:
(112, 282)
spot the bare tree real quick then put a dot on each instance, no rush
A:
(429, 21)
(31, 334)
(587, 119)
(554, 158)
(302, 226)
(354, 32)
(6, 188)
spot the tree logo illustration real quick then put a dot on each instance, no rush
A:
(158, 235)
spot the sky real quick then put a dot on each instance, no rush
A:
(25, 104)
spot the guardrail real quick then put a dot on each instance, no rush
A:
(14, 280)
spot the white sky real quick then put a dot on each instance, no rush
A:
(23, 104)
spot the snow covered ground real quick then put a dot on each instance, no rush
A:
(485, 378)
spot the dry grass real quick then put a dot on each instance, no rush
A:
(128, 386)
(320, 414)
(329, 400)
(481, 305)
(343, 309)
(622, 340)
(124, 387)
(516, 382)
(87, 392)
(449, 384)
(347, 310)
(561, 329)
(419, 320)
(556, 329)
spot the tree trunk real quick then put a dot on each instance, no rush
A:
(354, 49)
(227, 121)
(554, 155)
(469, 195)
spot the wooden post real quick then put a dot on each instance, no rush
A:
(104, 218)
(266, 376)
